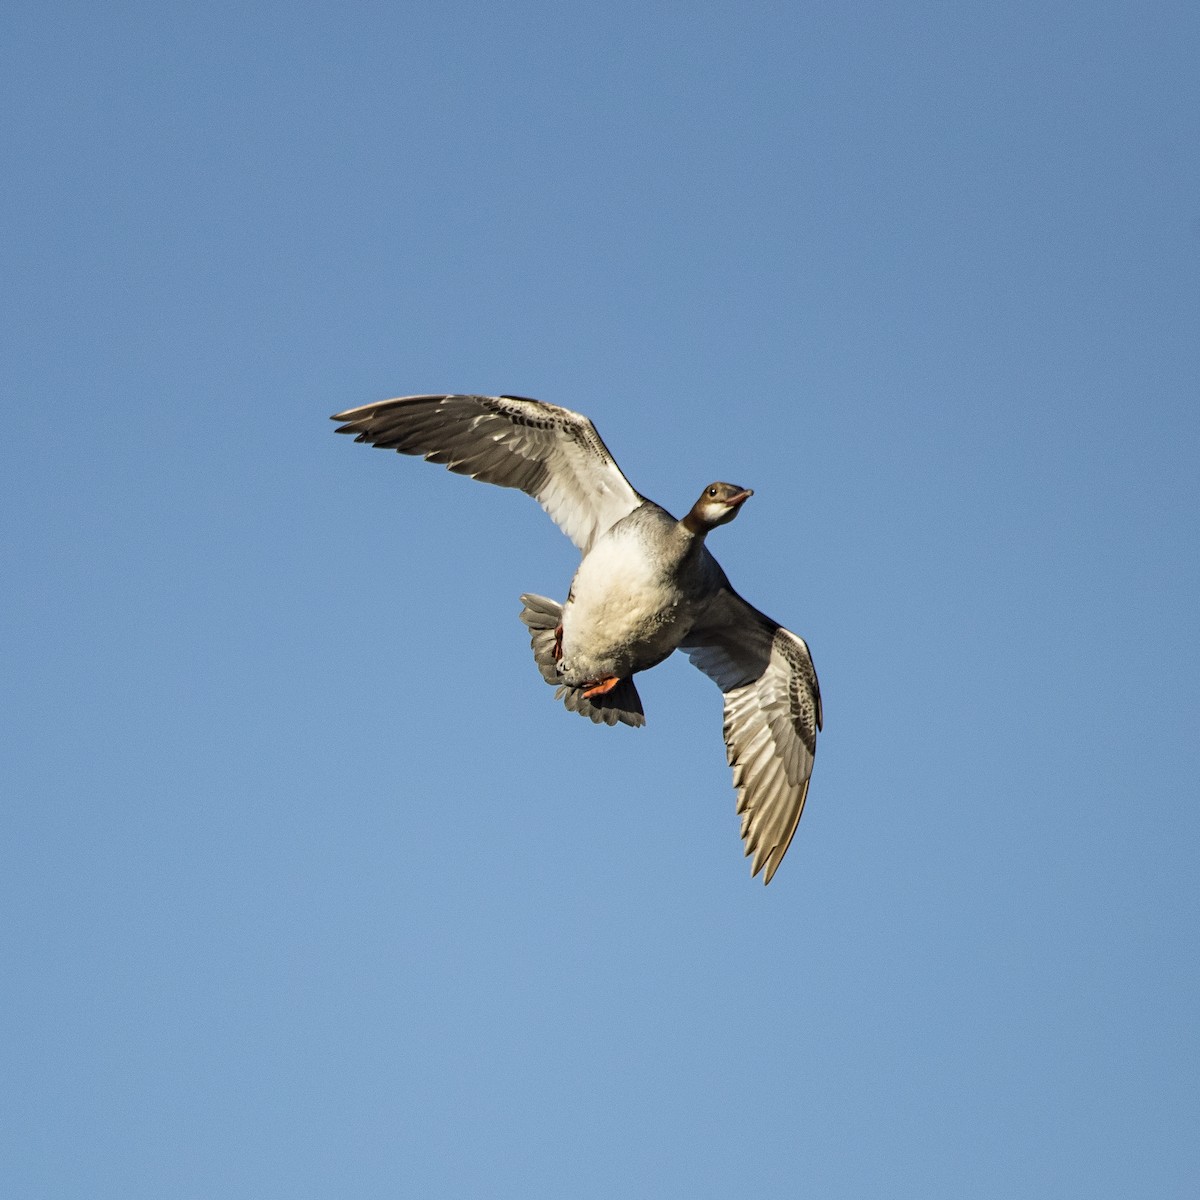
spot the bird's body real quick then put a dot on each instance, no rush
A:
(635, 597)
(646, 586)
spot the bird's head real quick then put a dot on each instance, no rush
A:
(718, 505)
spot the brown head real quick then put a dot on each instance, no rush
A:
(718, 505)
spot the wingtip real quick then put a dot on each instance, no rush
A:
(766, 865)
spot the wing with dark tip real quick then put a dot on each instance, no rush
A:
(772, 715)
(553, 454)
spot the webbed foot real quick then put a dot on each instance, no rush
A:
(600, 687)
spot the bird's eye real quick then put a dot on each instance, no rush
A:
(712, 491)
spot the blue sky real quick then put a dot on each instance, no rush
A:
(310, 887)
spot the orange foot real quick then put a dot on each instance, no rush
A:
(601, 686)
(558, 642)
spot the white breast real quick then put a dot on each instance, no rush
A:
(621, 611)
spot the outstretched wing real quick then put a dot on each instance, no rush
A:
(772, 715)
(552, 453)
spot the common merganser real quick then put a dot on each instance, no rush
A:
(646, 586)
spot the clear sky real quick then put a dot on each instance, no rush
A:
(309, 886)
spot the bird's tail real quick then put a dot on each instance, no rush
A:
(623, 703)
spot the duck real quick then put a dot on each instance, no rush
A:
(646, 586)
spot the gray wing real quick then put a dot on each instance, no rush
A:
(772, 715)
(553, 454)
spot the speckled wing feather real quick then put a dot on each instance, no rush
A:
(772, 715)
(553, 454)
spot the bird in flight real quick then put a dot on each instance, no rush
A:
(645, 587)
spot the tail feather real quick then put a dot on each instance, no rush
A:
(623, 703)
(542, 616)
